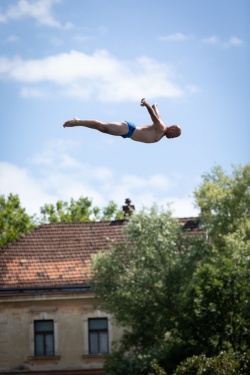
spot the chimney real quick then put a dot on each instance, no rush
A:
(129, 208)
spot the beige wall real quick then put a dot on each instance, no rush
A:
(70, 313)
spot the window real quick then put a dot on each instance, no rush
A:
(98, 336)
(44, 337)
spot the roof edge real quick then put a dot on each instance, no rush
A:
(44, 289)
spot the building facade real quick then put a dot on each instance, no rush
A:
(53, 331)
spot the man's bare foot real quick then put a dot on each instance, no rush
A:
(71, 123)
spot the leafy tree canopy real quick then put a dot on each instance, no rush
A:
(218, 309)
(224, 201)
(78, 210)
(14, 221)
(182, 295)
(142, 282)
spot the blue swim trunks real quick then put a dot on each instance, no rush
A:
(131, 129)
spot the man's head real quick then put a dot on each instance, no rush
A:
(173, 131)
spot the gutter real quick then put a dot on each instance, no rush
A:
(48, 289)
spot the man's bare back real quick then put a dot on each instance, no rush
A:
(147, 134)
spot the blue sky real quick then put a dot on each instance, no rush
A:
(61, 59)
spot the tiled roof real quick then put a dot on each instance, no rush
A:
(58, 254)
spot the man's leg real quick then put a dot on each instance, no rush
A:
(112, 128)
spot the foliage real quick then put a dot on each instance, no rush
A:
(158, 370)
(139, 281)
(133, 363)
(177, 295)
(143, 281)
(224, 201)
(218, 309)
(14, 221)
(223, 364)
(78, 210)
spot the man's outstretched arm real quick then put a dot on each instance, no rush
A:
(153, 111)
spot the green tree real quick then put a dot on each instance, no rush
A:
(216, 317)
(180, 295)
(224, 201)
(78, 210)
(14, 221)
(218, 309)
(142, 281)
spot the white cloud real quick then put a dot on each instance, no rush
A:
(62, 177)
(11, 39)
(155, 181)
(56, 41)
(20, 181)
(99, 74)
(177, 37)
(33, 92)
(40, 10)
(193, 89)
(235, 41)
(54, 152)
(216, 41)
(81, 38)
(212, 40)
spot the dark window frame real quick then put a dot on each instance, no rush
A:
(44, 333)
(98, 331)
